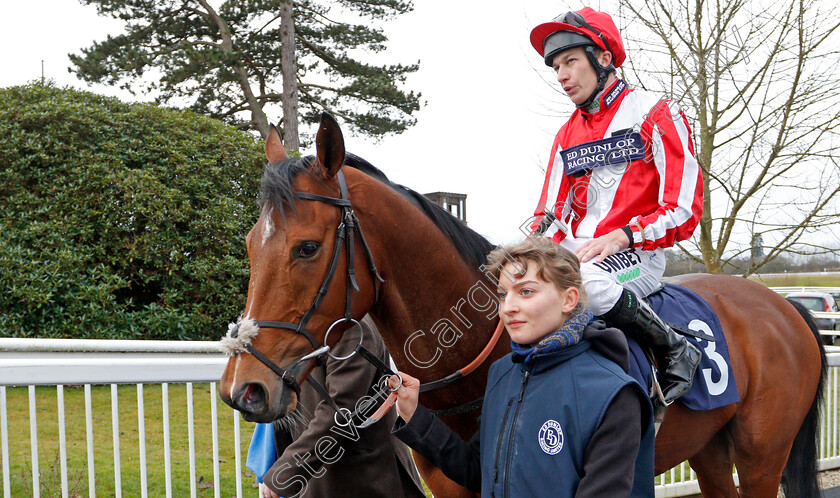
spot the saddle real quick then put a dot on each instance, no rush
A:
(688, 314)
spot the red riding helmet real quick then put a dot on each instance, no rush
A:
(573, 29)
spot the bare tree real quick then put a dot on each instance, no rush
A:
(758, 81)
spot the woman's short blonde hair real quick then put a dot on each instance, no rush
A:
(554, 264)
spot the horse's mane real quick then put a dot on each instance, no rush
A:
(278, 190)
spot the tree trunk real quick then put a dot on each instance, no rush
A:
(289, 66)
(257, 115)
(711, 258)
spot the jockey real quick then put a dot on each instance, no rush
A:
(622, 184)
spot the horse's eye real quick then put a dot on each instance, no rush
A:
(307, 249)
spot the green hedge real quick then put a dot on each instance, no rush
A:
(120, 220)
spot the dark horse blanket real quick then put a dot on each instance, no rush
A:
(714, 384)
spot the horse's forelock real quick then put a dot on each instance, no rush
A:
(277, 186)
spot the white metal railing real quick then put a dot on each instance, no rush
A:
(65, 362)
(44, 362)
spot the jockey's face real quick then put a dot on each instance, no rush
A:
(530, 307)
(576, 74)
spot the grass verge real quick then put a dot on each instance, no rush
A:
(797, 280)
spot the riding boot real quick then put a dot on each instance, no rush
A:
(633, 316)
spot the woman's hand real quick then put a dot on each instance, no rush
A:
(603, 246)
(265, 492)
(407, 396)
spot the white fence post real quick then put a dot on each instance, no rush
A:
(4, 442)
(33, 441)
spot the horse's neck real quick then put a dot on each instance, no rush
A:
(442, 322)
(436, 312)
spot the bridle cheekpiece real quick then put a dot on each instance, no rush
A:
(241, 334)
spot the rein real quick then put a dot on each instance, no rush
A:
(240, 334)
(449, 379)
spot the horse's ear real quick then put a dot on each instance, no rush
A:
(274, 150)
(329, 144)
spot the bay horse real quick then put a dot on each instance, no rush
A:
(436, 311)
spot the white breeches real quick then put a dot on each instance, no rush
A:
(636, 270)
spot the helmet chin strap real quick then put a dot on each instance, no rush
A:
(603, 74)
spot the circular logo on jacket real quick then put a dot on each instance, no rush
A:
(551, 437)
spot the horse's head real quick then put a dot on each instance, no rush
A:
(300, 285)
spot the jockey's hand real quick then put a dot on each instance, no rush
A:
(603, 246)
(265, 492)
(407, 396)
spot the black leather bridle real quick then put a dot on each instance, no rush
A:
(348, 227)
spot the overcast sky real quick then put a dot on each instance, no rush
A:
(491, 106)
(490, 112)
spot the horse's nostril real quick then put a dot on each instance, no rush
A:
(252, 398)
(249, 393)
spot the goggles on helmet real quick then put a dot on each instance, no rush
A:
(577, 20)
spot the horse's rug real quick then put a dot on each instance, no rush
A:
(714, 383)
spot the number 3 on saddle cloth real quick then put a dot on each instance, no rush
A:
(714, 384)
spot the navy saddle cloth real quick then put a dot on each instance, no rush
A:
(714, 383)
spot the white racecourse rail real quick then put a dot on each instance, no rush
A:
(60, 362)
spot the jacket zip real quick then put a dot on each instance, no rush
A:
(525, 379)
(499, 445)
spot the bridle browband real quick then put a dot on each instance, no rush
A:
(347, 228)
